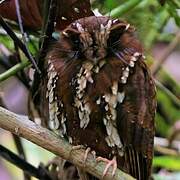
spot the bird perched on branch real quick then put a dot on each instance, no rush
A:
(97, 92)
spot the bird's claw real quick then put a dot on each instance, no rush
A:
(112, 163)
(87, 151)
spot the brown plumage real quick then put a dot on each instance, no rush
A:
(98, 92)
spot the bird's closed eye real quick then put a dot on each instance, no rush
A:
(75, 41)
(73, 36)
(116, 33)
(114, 38)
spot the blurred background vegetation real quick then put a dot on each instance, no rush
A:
(158, 27)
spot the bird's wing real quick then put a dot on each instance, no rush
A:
(136, 121)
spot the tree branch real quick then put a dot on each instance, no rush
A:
(14, 70)
(163, 142)
(167, 52)
(22, 164)
(167, 92)
(166, 151)
(21, 126)
(20, 149)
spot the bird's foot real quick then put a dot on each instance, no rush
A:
(82, 174)
(56, 161)
(77, 147)
(74, 148)
(87, 151)
(110, 163)
(56, 167)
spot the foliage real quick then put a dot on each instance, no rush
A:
(167, 162)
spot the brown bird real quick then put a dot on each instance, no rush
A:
(97, 92)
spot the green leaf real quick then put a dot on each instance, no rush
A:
(6, 41)
(168, 162)
(162, 127)
(174, 3)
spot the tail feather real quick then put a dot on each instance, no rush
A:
(136, 164)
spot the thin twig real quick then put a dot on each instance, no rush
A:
(5, 58)
(166, 151)
(19, 146)
(22, 164)
(13, 70)
(163, 142)
(48, 24)
(157, 65)
(23, 76)
(43, 137)
(175, 134)
(2, 1)
(16, 39)
(168, 92)
(21, 153)
(24, 36)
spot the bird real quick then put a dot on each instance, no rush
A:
(97, 91)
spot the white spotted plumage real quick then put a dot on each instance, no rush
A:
(54, 106)
(83, 107)
(113, 138)
(125, 73)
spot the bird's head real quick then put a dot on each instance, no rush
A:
(94, 37)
